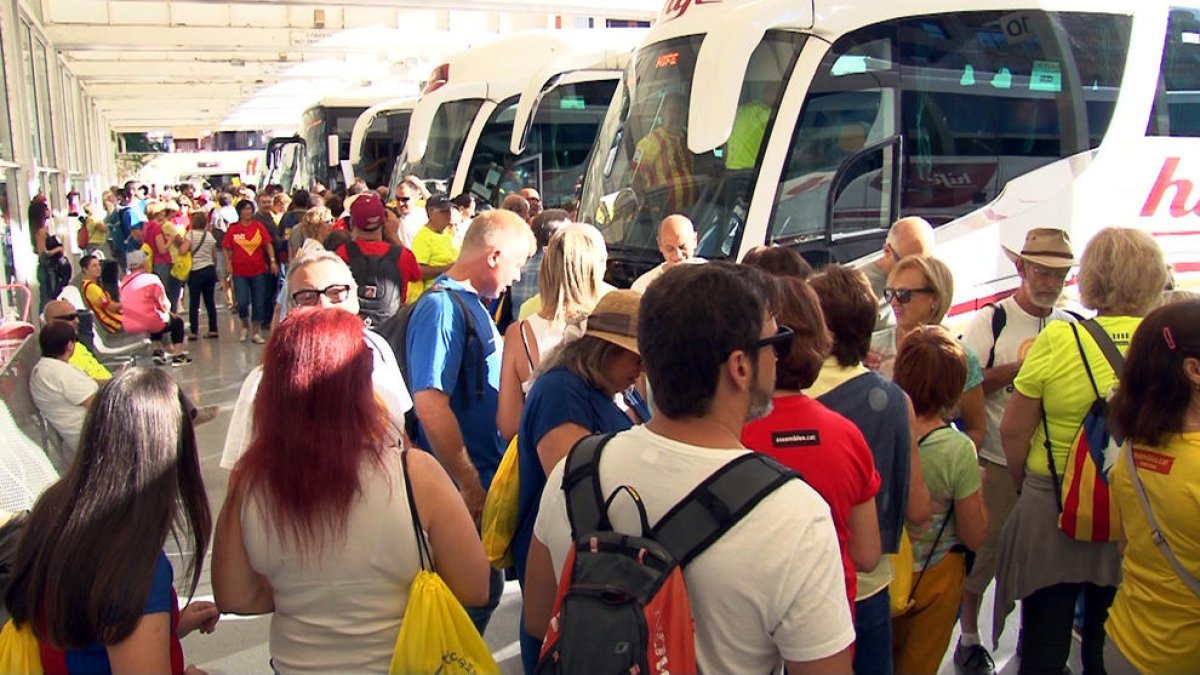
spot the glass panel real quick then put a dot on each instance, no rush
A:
(8, 225)
(978, 97)
(35, 132)
(643, 171)
(556, 147)
(6, 144)
(383, 143)
(1176, 109)
(451, 124)
(44, 105)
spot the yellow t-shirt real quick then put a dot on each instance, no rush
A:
(745, 140)
(100, 303)
(1155, 619)
(432, 248)
(1054, 373)
(84, 360)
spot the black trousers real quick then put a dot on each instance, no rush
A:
(1047, 617)
(202, 284)
(174, 327)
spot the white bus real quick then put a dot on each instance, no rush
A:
(817, 124)
(521, 111)
(377, 139)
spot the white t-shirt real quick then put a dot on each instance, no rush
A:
(340, 610)
(643, 281)
(59, 390)
(389, 385)
(770, 588)
(1019, 332)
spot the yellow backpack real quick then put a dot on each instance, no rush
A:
(499, 522)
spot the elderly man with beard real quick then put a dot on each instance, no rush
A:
(1000, 335)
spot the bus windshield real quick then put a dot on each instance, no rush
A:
(381, 145)
(642, 171)
(556, 147)
(320, 122)
(451, 124)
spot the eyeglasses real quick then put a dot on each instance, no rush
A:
(403, 200)
(903, 295)
(309, 297)
(73, 316)
(781, 342)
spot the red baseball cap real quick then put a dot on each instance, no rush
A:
(367, 212)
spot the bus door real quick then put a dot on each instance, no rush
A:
(287, 163)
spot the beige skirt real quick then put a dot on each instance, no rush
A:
(1034, 554)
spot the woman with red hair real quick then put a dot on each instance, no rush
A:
(317, 526)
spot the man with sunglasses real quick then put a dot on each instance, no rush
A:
(321, 279)
(911, 235)
(770, 588)
(1001, 334)
(412, 216)
(82, 358)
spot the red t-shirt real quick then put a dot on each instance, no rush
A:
(245, 243)
(410, 271)
(830, 453)
(150, 232)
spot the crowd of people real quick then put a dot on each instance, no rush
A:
(410, 341)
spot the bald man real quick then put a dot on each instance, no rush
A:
(82, 358)
(911, 235)
(677, 243)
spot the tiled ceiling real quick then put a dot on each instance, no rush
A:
(203, 65)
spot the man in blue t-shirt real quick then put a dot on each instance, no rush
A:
(455, 402)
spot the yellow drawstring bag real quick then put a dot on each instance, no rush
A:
(901, 587)
(436, 635)
(499, 522)
(19, 652)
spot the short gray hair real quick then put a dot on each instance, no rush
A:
(313, 257)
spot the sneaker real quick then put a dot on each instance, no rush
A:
(212, 336)
(160, 360)
(973, 660)
(245, 334)
(205, 414)
(180, 360)
(257, 339)
(193, 336)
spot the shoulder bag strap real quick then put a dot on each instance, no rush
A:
(718, 503)
(999, 319)
(1050, 459)
(1155, 531)
(1115, 359)
(936, 540)
(1087, 368)
(422, 545)
(581, 486)
(470, 323)
(525, 341)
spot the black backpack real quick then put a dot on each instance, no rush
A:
(622, 605)
(380, 283)
(395, 331)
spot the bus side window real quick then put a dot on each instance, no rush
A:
(1176, 109)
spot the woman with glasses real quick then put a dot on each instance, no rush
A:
(824, 447)
(1121, 276)
(919, 291)
(321, 521)
(931, 368)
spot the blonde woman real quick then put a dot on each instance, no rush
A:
(570, 282)
(919, 289)
(316, 224)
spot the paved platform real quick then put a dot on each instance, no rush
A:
(240, 644)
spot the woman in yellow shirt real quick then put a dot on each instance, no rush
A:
(1154, 623)
(1121, 276)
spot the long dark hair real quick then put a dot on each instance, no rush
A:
(86, 561)
(1153, 397)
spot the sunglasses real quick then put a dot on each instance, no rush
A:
(73, 316)
(403, 200)
(903, 295)
(781, 342)
(310, 297)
